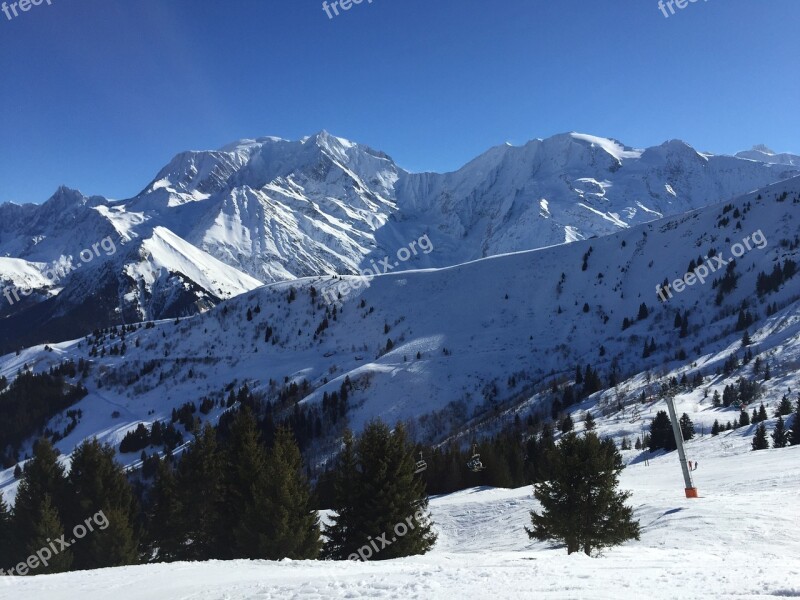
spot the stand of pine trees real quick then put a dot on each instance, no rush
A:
(50, 503)
(581, 505)
(237, 501)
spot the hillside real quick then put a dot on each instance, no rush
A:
(472, 345)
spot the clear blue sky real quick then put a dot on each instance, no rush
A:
(99, 94)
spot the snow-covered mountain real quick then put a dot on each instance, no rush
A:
(457, 351)
(763, 154)
(214, 224)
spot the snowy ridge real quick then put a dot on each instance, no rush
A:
(277, 210)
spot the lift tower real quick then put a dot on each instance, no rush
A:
(691, 491)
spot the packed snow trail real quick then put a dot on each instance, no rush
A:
(739, 540)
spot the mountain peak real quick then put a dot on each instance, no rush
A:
(764, 149)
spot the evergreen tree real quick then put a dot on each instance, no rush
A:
(744, 418)
(344, 534)
(201, 488)
(294, 530)
(661, 434)
(779, 436)
(43, 479)
(46, 528)
(794, 439)
(589, 422)
(383, 493)
(567, 425)
(165, 518)
(760, 438)
(762, 413)
(687, 427)
(246, 488)
(96, 483)
(784, 408)
(581, 505)
(6, 536)
(715, 428)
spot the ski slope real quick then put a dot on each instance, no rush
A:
(739, 540)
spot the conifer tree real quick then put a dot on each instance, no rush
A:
(581, 505)
(567, 425)
(744, 418)
(97, 484)
(6, 535)
(715, 428)
(344, 535)
(165, 523)
(779, 436)
(246, 488)
(794, 439)
(293, 527)
(43, 478)
(760, 438)
(762, 413)
(687, 427)
(48, 527)
(661, 434)
(201, 492)
(384, 492)
(784, 408)
(589, 422)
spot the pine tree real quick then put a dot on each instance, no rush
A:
(246, 487)
(744, 418)
(7, 557)
(794, 439)
(567, 425)
(779, 436)
(687, 427)
(715, 428)
(581, 505)
(43, 478)
(201, 487)
(385, 499)
(97, 484)
(760, 438)
(294, 530)
(46, 528)
(785, 407)
(344, 534)
(762, 414)
(589, 422)
(661, 434)
(165, 522)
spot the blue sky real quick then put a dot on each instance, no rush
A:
(99, 94)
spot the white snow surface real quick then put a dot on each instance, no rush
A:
(738, 540)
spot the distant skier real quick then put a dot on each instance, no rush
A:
(690, 466)
(695, 466)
